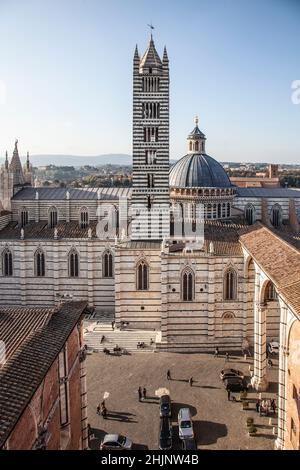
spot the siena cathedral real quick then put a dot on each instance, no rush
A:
(240, 284)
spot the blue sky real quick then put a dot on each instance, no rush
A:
(66, 74)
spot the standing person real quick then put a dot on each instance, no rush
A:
(191, 381)
(216, 352)
(113, 325)
(144, 393)
(228, 393)
(273, 405)
(104, 412)
(140, 393)
(169, 375)
(98, 409)
(257, 405)
(227, 357)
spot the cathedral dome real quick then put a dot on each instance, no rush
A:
(198, 170)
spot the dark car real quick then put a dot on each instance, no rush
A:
(226, 373)
(234, 384)
(165, 406)
(165, 434)
(189, 444)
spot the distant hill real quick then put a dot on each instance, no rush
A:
(75, 160)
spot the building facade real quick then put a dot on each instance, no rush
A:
(199, 280)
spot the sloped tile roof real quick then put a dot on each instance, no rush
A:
(26, 368)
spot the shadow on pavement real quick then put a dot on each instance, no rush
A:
(208, 432)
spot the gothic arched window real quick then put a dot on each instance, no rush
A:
(7, 263)
(187, 285)
(250, 214)
(142, 276)
(107, 264)
(276, 215)
(270, 292)
(24, 217)
(230, 284)
(84, 217)
(39, 263)
(73, 264)
(52, 217)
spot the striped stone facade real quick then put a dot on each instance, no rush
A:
(150, 153)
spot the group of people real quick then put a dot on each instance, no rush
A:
(101, 409)
(262, 406)
(190, 380)
(142, 393)
(217, 352)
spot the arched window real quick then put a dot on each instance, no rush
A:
(276, 215)
(39, 263)
(142, 276)
(52, 217)
(7, 263)
(73, 264)
(24, 217)
(219, 211)
(187, 285)
(250, 214)
(228, 209)
(84, 218)
(107, 264)
(230, 284)
(196, 146)
(191, 146)
(270, 292)
(228, 325)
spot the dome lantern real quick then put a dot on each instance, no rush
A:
(196, 139)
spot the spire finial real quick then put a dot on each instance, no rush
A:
(151, 29)
(196, 121)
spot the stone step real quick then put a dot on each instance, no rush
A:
(127, 339)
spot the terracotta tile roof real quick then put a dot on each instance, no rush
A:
(278, 259)
(40, 230)
(24, 371)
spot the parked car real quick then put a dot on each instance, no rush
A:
(225, 373)
(185, 424)
(165, 434)
(235, 384)
(165, 406)
(115, 442)
(189, 444)
(273, 347)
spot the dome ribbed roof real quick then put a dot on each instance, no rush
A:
(198, 170)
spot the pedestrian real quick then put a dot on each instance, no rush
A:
(98, 409)
(103, 404)
(113, 325)
(227, 357)
(257, 406)
(144, 393)
(270, 363)
(104, 412)
(191, 381)
(140, 393)
(91, 434)
(169, 375)
(273, 405)
(216, 352)
(228, 394)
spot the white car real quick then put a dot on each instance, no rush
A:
(185, 424)
(115, 442)
(273, 347)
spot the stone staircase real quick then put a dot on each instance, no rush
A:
(126, 339)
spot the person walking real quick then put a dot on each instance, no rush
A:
(140, 393)
(191, 381)
(169, 375)
(98, 409)
(216, 352)
(144, 393)
(257, 405)
(227, 357)
(228, 394)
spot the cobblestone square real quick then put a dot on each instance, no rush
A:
(218, 423)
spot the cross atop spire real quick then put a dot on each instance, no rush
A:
(196, 121)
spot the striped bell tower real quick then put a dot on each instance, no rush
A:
(150, 174)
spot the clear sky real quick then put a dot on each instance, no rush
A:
(66, 74)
